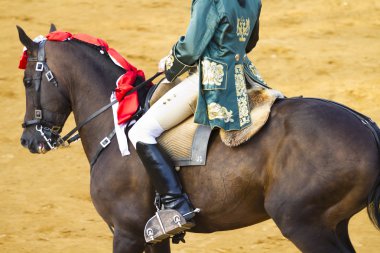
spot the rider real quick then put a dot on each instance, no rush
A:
(218, 38)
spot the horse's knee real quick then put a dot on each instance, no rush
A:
(287, 225)
(162, 247)
(127, 241)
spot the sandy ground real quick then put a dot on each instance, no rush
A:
(323, 48)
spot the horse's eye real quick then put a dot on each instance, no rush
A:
(27, 82)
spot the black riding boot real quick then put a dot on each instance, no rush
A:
(165, 179)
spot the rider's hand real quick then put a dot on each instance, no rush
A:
(161, 64)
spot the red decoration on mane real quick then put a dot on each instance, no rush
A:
(23, 60)
(62, 36)
(127, 106)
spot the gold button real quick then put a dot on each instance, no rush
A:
(237, 57)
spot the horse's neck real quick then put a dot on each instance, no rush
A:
(93, 77)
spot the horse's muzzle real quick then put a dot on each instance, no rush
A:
(33, 146)
(33, 141)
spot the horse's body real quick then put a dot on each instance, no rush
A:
(310, 169)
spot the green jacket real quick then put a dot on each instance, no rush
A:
(219, 36)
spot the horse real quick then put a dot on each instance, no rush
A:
(311, 168)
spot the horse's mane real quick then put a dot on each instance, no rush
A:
(98, 45)
(117, 71)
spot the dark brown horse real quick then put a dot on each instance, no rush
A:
(310, 169)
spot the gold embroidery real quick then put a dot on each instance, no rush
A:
(216, 111)
(212, 72)
(169, 62)
(255, 72)
(242, 97)
(243, 28)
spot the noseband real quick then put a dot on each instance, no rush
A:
(49, 130)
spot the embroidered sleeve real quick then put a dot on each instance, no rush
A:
(203, 23)
(174, 67)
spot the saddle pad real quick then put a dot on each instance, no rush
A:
(261, 101)
(186, 143)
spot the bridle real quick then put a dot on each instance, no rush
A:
(49, 130)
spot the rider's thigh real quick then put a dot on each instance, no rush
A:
(177, 104)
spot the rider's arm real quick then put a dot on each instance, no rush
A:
(255, 34)
(189, 48)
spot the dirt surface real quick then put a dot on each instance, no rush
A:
(325, 48)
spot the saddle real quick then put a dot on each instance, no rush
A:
(187, 142)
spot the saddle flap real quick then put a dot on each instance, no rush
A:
(186, 143)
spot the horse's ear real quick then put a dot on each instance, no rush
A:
(52, 28)
(25, 40)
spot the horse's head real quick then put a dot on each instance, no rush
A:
(47, 103)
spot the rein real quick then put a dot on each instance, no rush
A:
(105, 108)
(50, 131)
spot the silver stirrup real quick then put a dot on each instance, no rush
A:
(166, 223)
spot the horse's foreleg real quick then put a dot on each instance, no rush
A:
(344, 238)
(127, 241)
(163, 247)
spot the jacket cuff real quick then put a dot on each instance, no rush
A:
(174, 67)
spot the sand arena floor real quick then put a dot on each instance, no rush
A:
(323, 48)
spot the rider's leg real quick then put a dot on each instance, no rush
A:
(174, 107)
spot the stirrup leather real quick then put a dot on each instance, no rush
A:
(166, 223)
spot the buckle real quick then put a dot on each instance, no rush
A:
(105, 142)
(37, 114)
(49, 76)
(39, 66)
(55, 129)
(61, 143)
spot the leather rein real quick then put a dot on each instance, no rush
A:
(50, 131)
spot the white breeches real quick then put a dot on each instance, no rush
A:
(171, 109)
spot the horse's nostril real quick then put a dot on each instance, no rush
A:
(24, 142)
